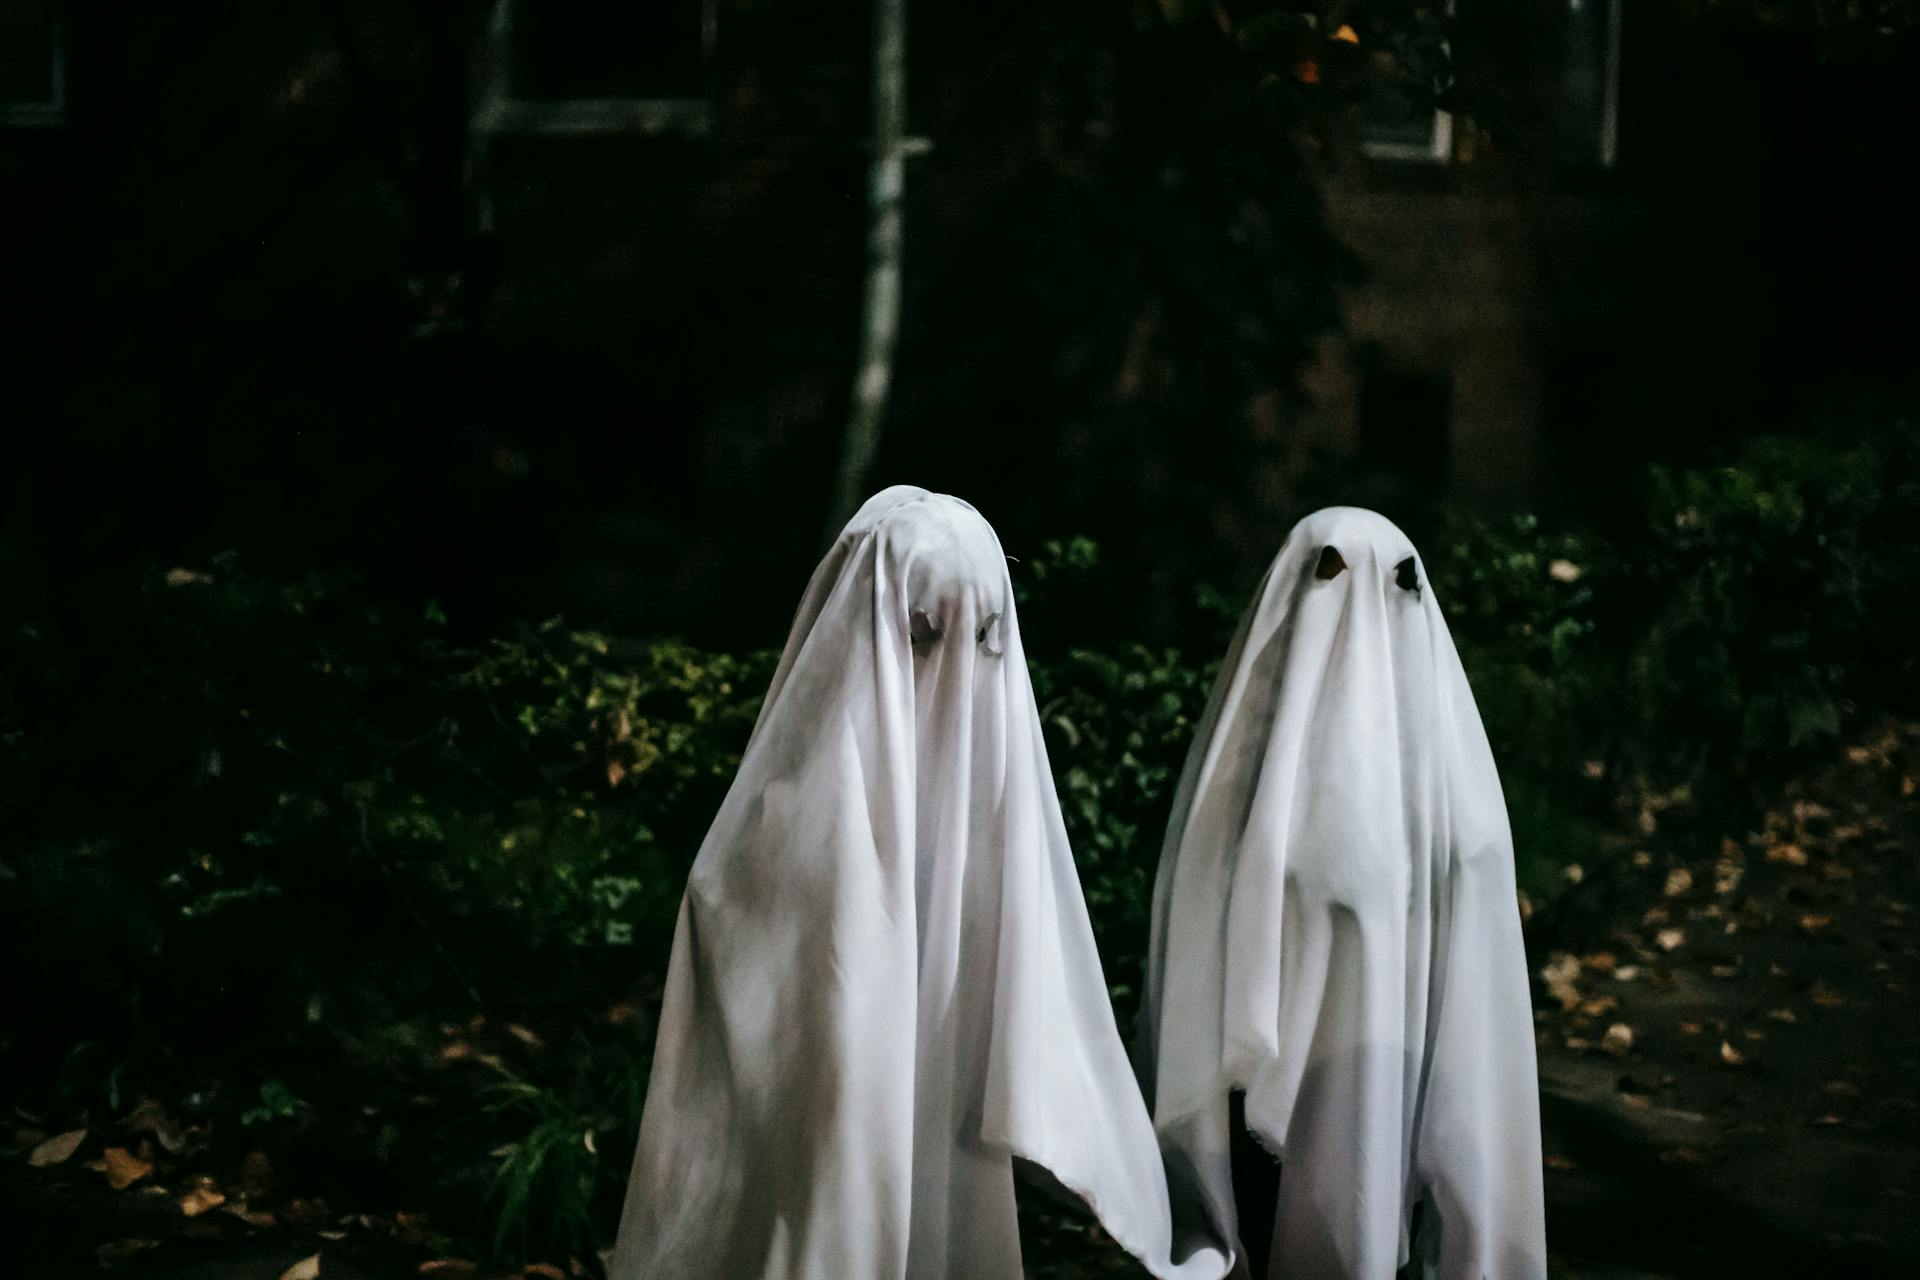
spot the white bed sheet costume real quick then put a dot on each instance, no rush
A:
(883, 984)
(1336, 933)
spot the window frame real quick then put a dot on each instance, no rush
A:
(501, 113)
(49, 112)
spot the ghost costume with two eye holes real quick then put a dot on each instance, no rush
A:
(1336, 933)
(883, 986)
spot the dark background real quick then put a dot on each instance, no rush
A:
(269, 288)
(420, 419)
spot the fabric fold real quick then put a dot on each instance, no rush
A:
(884, 986)
(1336, 935)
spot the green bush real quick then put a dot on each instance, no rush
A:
(270, 840)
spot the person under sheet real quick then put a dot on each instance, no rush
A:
(883, 987)
(1336, 952)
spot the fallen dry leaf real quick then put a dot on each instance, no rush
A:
(1730, 1055)
(544, 1270)
(259, 1219)
(1690, 1028)
(448, 1268)
(1826, 997)
(150, 1117)
(1679, 880)
(1726, 971)
(1814, 921)
(1600, 1006)
(1626, 973)
(200, 1200)
(1670, 939)
(123, 1168)
(57, 1150)
(1619, 1040)
(308, 1268)
(525, 1037)
(1783, 1015)
(1791, 854)
(1558, 974)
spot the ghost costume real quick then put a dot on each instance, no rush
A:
(883, 986)
(1336, 933)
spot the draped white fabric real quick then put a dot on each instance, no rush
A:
(883, 985)
(1336, 932)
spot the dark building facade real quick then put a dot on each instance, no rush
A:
(554, 307)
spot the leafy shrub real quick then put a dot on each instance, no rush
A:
(276, 832)
(1770, 582)
(1118, 726)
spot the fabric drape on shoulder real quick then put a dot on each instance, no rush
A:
(1336, 933)
(883, 985)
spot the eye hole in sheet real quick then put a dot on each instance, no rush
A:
(988, 635)
(921, 630)
(1330, 566)
(1406, 575)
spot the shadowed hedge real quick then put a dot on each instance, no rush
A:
(345, 884)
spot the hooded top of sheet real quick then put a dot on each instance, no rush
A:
(883, 985)
(1336, 932)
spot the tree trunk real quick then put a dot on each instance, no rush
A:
(880, 308)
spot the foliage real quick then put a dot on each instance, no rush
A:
(277, 830)
(1708, 644)
(1772, 582)
(1118, 725)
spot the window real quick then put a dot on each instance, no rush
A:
(1404, 79)
(33, 65)
(1401, 121)
(600, 67)
(1589, 124)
